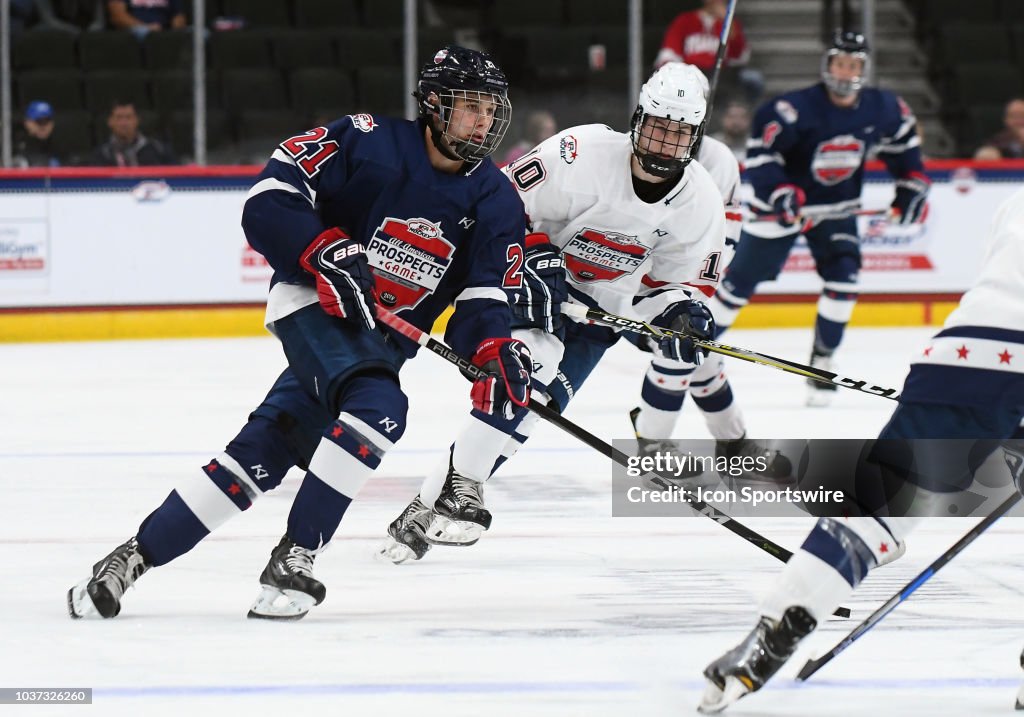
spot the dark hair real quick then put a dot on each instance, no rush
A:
(121, 102)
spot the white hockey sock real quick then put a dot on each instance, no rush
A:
(476, 449)
(811, 583)
(727, 424)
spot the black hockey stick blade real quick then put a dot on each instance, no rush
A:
(812, 666)
(424, 339)
(597, 316)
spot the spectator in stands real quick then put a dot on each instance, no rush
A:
(127, 146)
(692, 37)
(1008, 143)
(35, 144)
(735, 129)
(540, 125)
(144, 16)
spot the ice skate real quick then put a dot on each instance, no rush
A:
(460, 517)
(100, 595)
(1020, 692)
(407, 534)
(820, 393)
(655, 446)
(289, 589)
(749, 665)
(778, 470)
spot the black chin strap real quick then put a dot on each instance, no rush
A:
(437, 137)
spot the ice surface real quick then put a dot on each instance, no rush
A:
(559, 610)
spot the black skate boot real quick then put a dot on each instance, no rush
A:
(407, 533)
(1020, 693)
(460, 517)
(101, 594)
(778, 469)
(289, 588)
(749, 665)
(820, 393)
(655, 446)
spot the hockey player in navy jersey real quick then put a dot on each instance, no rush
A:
(806, 154)
(967, 383)
(413, 215)
(624, 221)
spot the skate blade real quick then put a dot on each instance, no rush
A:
(80, 604)
(1020, 699)
(716, 699)
(453, 533)
(275, 604)
(394, 552)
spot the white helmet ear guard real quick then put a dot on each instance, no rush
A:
(676, 92)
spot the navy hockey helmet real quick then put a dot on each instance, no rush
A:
(670, 115)
(462, 87)
(846, 42)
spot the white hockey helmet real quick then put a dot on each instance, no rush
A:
(678, 93)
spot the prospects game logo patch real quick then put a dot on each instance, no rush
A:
(408, 257)
(596, 255)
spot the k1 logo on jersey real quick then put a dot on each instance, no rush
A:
(408, 257)
(836, 160)
(595, 255)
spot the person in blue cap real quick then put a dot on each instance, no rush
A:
(35, 145)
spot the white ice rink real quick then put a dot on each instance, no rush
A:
(560, 609)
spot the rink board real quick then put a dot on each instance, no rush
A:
(159, 252)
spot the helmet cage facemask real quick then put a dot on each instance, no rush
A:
(844, 88)
(653, 164)
(442, 113)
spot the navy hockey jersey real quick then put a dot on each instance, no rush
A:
(431, 238)
(802, 138)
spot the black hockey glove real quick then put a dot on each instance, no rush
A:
(506, 390)
(787, 200)
(910, 205)
(538, 303)
(691, 318)
(344, 282)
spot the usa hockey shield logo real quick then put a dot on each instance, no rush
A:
(836, 160)
(408, 257)
(596, 255)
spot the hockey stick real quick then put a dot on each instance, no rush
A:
(597, 316)
(819, 216)
(723, 43)
(874, 618)
(425, 340)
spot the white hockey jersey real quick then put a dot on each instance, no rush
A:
(716, 157)
(622, 254)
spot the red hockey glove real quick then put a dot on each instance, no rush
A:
(506, 391)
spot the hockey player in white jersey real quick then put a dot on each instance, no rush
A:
(667, 382)
(640, 229)
(966, 383)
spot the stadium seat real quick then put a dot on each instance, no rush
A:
(61, 88)
(253, 90)
(259, 13)
(961, 43)
(304, 48)
(268, 126)
(76, 132)
(588, 12)
(109, 50)
(102, 88)
(363, 48)
(536, 13)
(377, 14)
(316, 89)
(1011, 12)
(326, 13)
(172, 90)
(168, 50)
(978, 83)
(239, 49)
(570, 49)
(982, 122)
(43, 49)
(179, 130)
(938, 13)
(381, 90)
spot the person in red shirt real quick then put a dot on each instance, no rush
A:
(692, 37)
